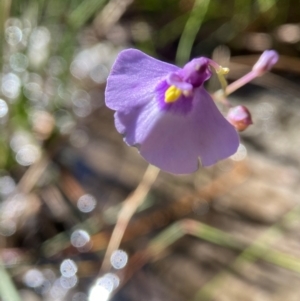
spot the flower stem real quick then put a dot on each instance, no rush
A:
(240, 82)
(221, 94)
(130, 205)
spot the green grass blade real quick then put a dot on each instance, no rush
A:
(8, 291)
(190, 31)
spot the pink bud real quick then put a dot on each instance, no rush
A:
(266, 61)
(239, 117)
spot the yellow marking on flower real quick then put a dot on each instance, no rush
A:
(172, 94)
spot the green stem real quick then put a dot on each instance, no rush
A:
(4, 13)
(190, 31)
(83, 12)
(8, 291)
(259, 249)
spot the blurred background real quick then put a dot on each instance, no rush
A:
(228, 232)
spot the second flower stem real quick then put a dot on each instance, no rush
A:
(240, 82)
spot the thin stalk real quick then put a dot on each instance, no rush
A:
(129, 208)
(8, 291)
(4, 13)
(260, 249)
(240, 82)
(190, 31)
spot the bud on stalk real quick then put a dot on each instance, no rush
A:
(239, 117)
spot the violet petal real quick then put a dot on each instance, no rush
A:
(173, 142)
(133, 78)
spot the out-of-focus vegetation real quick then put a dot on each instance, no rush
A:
(63, 169)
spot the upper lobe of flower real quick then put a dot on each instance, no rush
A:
(166, 112)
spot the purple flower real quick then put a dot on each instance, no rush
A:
(165, 111)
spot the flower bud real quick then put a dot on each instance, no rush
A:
(266, 61)
(239, 117)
